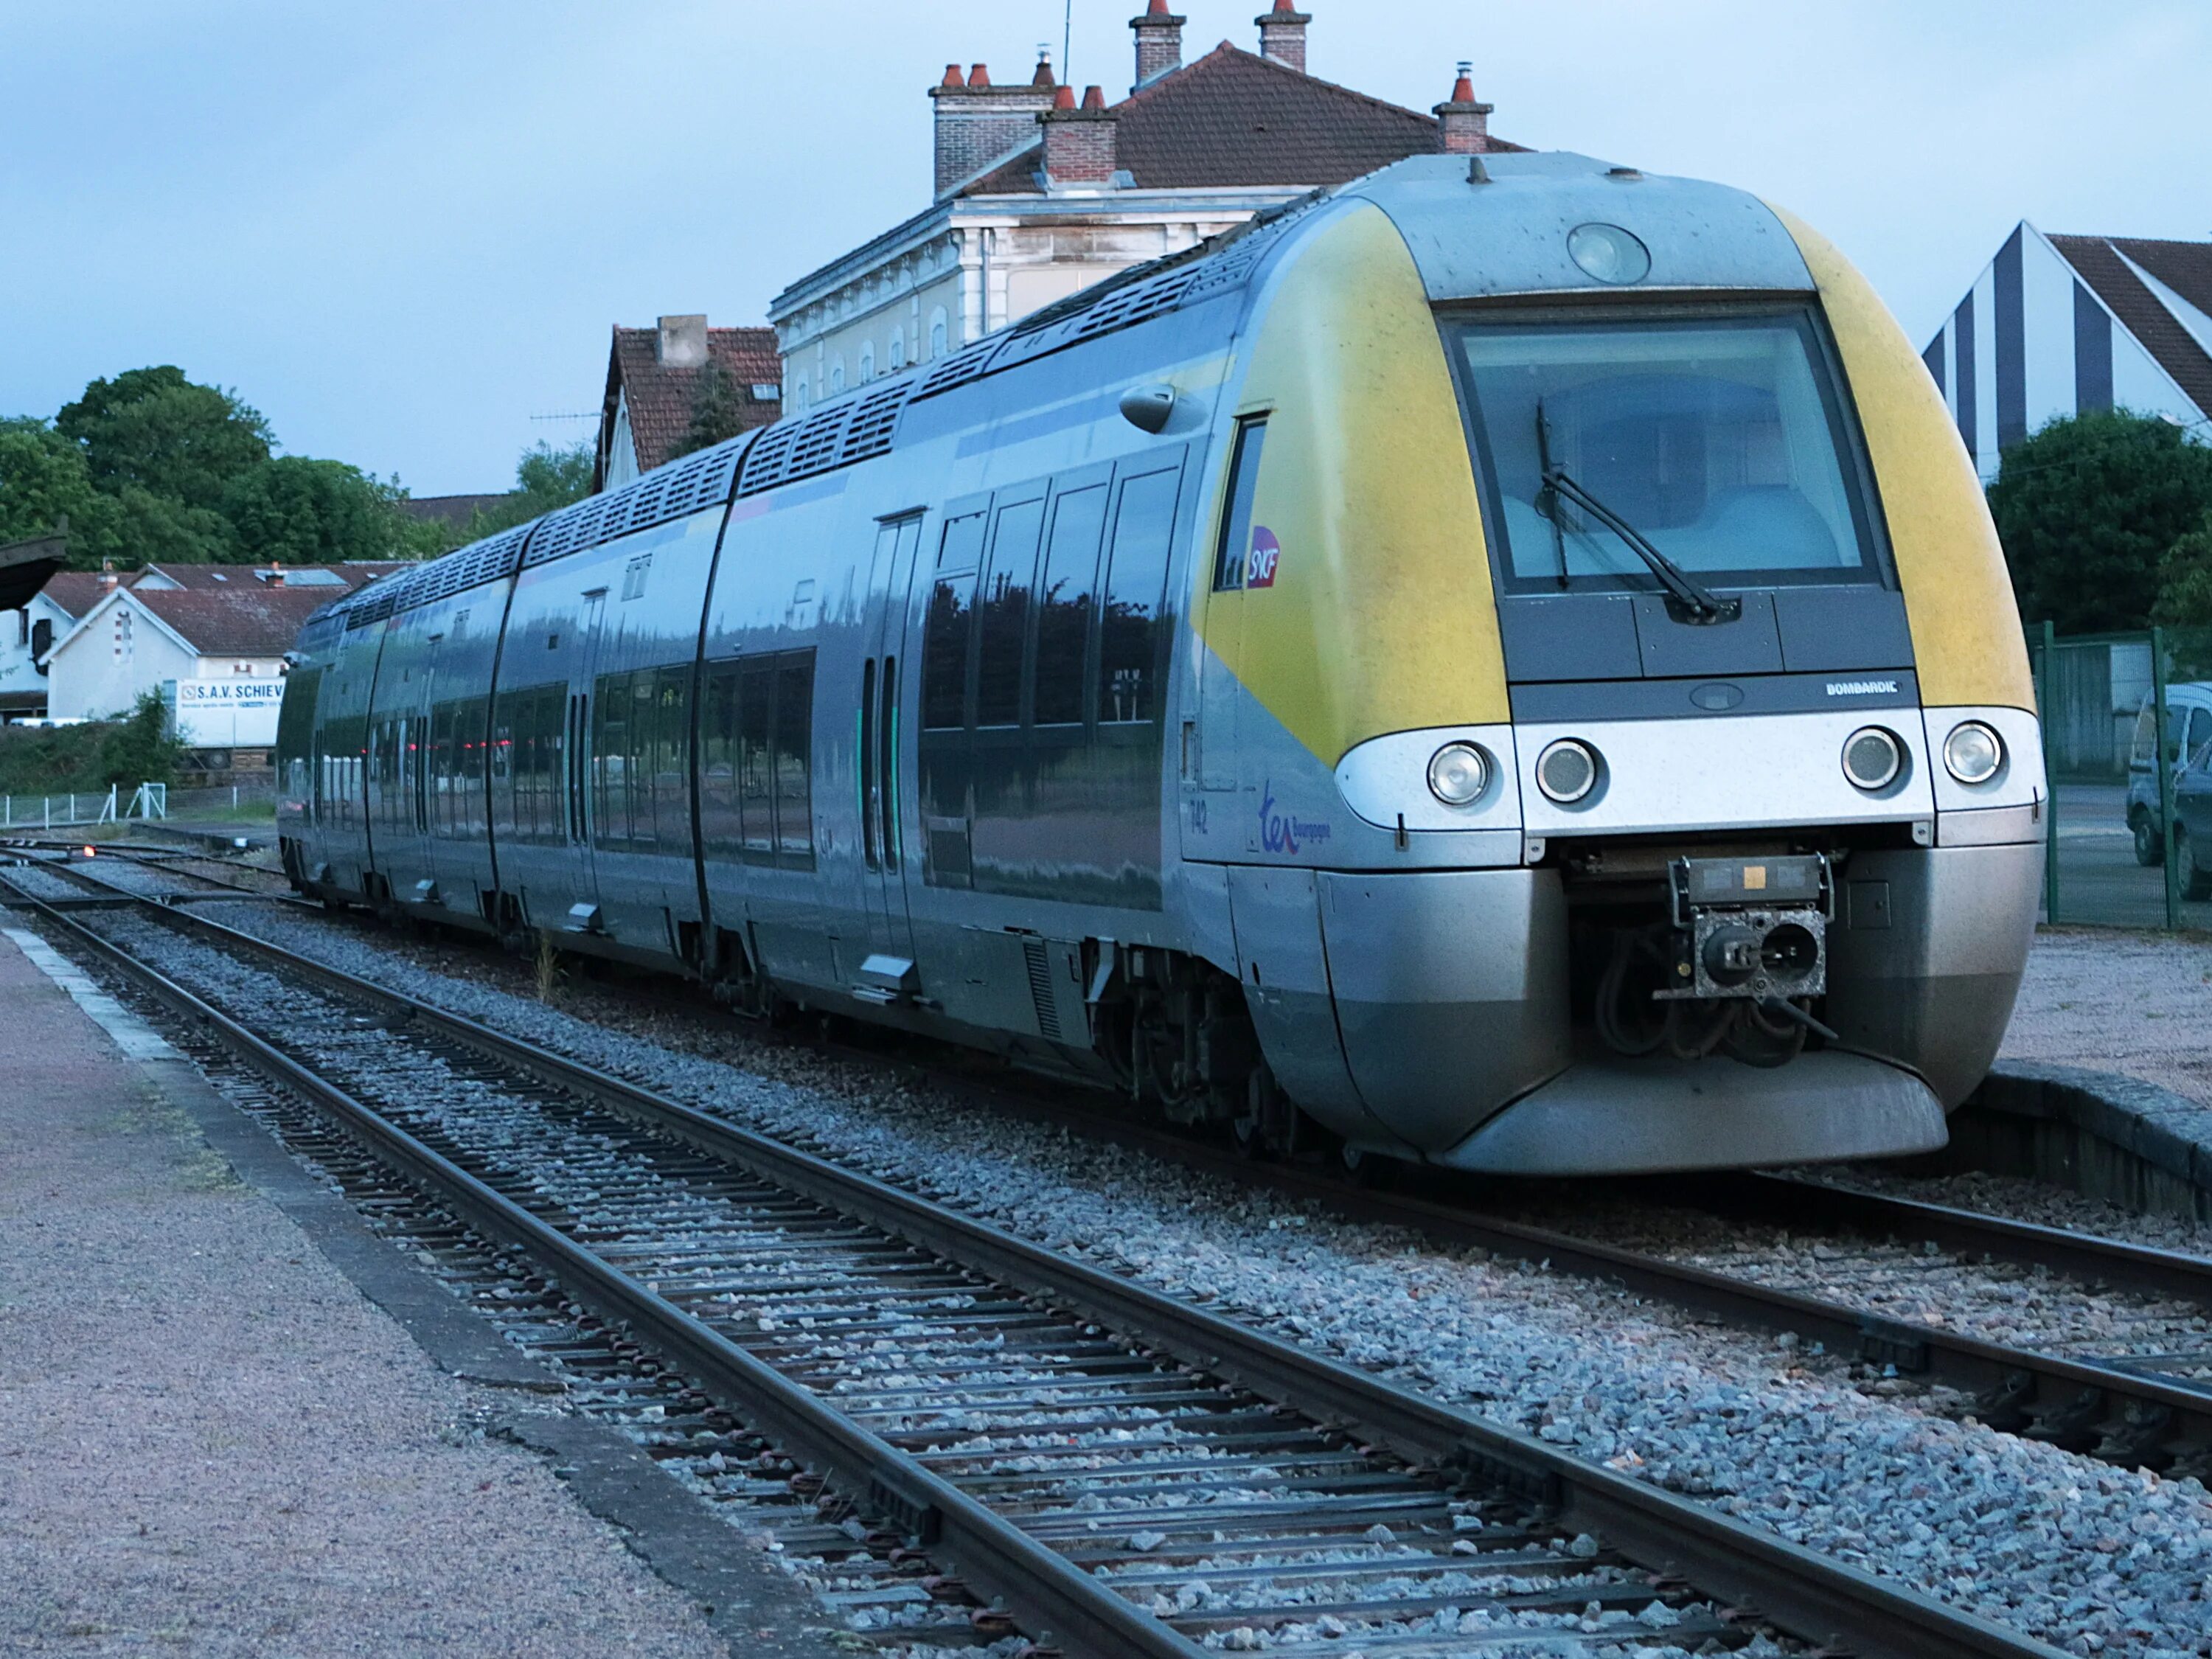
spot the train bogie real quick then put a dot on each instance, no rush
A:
(1509, 666)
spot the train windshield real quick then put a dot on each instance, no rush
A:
(1720, 440)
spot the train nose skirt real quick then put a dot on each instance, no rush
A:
(1605, 1116)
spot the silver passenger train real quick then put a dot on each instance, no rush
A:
(1507, 666)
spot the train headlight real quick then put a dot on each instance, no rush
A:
(1873, 758)
(1458, 773)
(1567, 771)
(1973, 752)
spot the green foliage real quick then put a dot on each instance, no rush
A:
(142, 747)
(2184, 597)
(59, 760)
(718, 409)
(309, 512)
(43, 480)
(154, 428)
(2088, 507)
(546, 479)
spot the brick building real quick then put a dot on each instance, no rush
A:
(655, 378)
(1040, 193)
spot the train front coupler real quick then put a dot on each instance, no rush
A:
(1751, 930)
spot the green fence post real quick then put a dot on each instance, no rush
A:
(2050, 777)
(2164, 783)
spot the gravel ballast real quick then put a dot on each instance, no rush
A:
(2093, 1559)
(211, 1443)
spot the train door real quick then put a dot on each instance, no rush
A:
(431, 777)
(887, 782)
(1241, 558)
(587, 781)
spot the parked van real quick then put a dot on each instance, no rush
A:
(2188, 729)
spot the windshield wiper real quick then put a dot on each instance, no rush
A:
(1700, 601)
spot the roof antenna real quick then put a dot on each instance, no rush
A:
(1067, 40)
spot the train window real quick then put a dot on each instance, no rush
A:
(962, 548)
(1002, 607)
(794, 745)
(945, 654)
(1136, 583)
(1236, 547)
(755, 759)
(1064, 605)
(610, 752)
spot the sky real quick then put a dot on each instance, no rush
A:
(402, 229)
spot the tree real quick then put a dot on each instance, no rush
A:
(546, 480)
(311, 512)
(43, 481)
(2088, 507)
(143, 747)
(718, 409)
(155, 429)
(2184, 597)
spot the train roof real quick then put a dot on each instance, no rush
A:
(1507, 232)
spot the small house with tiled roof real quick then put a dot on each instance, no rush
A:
(28, 630)
(658, 381)
(2057, 324)
(1040, 193)
(210, 638)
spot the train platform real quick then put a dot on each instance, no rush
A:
(2135, 1003)
(213, 1441)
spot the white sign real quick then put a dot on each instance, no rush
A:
(239, 713)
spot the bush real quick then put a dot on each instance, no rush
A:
(61, 760)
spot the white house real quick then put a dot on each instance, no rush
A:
(29, 632)
(1040, 194)
(2057, 324)
(210, 639)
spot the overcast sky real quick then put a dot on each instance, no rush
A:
(401, 227)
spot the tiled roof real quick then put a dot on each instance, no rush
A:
(229, 578)
(1233, 117)
(75, 591)
(2144, 315)
(252, 622)
(660, 399)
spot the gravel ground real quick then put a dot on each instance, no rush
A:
(2139, 1004)
(211, 1443)
(2093, 1559)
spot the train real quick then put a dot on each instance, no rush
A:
(1503, 664)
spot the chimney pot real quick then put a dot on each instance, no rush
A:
(1044, 76)
(681, 342)
(953, 77)
(1079, 144)
(979, 126)
(1159, 43)
(1283, 35)
(1465, 122)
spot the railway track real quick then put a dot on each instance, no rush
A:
(1130, 1474)
(2149, 1407)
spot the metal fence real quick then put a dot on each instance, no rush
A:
(2127, 737)
(70, 811)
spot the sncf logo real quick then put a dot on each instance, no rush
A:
(1266, 556)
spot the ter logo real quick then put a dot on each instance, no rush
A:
(1266, 553)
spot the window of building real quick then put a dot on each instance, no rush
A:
(1235, 546)
(798, 393)
(837, 375)
(898, 349)
(937, 333)
(867, 362)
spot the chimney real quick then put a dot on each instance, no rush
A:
(1283, 36)
(1079, 143)
(980, 125)
(681, 342)
(1466, 122)
(1159, 43)
(107, 575)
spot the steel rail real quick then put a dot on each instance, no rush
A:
(1799, 1589)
